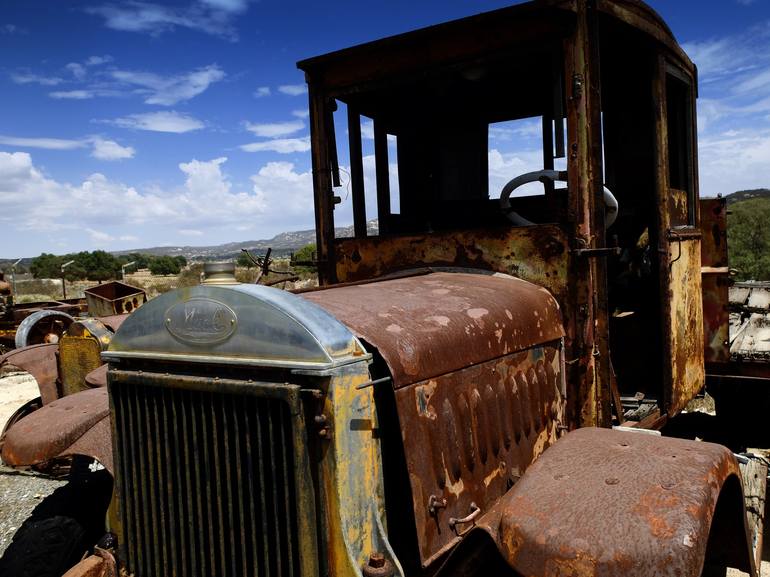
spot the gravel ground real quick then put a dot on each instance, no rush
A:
(20, 493)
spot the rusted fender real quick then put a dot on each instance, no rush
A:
(610, 503)
(40, 362)
(97, 377)
(78, 424)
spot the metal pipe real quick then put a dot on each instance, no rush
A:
(63, 281)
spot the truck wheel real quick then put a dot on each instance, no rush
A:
(44, 548)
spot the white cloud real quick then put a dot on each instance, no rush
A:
(734, 160)
(30, 78)
(718, 56)
(110, 150)
(503, 166)
(44, 143)
(12, 29)
(213, 17)
(168, 91)
(77, 70)
(80, 69)
(262, 91)
(302, 113)
(206, 203)
(163, 121)
(282, 188)
(98, 60)
(99, 238)
(293, 89)
(274, 129)
(367, 130)
(227, 5)
(280, 145)
(101, 148)
(72, 95)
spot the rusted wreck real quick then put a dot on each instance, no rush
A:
(441, 405)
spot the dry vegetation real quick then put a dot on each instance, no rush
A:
(38, 290)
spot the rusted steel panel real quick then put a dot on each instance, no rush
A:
(641, 16)
(97, 377)
(715, 279)
(79, 353)
(78, 356)
(51, 430)
(589, 376)
(678, 207)
(438, 46)
(685, 324)
(100, 564)
(602, 502)
(69, 306)
(114, 298)
(433, 324)
(469, 435)
(40, 362)
(96, 442)
(535, 253)
(113, 322)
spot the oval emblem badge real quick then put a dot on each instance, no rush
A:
(201, 321)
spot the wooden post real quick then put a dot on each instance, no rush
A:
(382, 170)
(322, 186)
(357, 173)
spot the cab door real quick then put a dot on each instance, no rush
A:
(679, 238)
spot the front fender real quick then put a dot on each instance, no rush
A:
(78, 424)
(40, 362)
(606, 503)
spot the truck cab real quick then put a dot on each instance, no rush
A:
(441, 404)
(613, 231)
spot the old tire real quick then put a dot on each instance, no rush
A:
(44, 548)
(40, 327)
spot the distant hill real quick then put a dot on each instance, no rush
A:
(742, 195)
(282, 244)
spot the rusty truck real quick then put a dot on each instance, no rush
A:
(442, 404)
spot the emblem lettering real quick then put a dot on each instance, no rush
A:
(201, 321)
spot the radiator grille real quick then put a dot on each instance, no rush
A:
(207, 482)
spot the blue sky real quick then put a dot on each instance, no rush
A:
(128, 124)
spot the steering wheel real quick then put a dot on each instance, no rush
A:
(610, 202)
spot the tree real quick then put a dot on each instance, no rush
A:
(141, 260)
(306, 254)
(748, 237)
(244, 261)
(164, 265)
(98, 265)
(46, 266)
